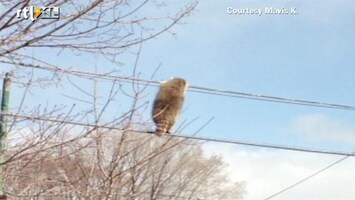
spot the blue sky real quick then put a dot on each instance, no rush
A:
(305, 56)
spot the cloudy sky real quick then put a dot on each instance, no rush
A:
(305, 56)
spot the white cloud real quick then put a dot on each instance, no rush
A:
(321, 127)
(269, 171)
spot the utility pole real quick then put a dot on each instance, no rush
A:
(3, 129)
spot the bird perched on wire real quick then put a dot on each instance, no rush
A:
(168, 104)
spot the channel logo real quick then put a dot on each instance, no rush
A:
(34, 13)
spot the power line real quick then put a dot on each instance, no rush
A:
(196, 89)
(245, 143)
(307, 178)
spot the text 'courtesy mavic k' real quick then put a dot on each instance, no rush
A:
(262, 11)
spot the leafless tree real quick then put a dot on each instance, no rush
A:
(141, 167)
(84, 150)
(108, 27)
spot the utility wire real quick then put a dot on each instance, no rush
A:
(307, 178)
(197, 89)
(211, 91)
(263, 145)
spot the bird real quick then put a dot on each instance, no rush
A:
(168, 104)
